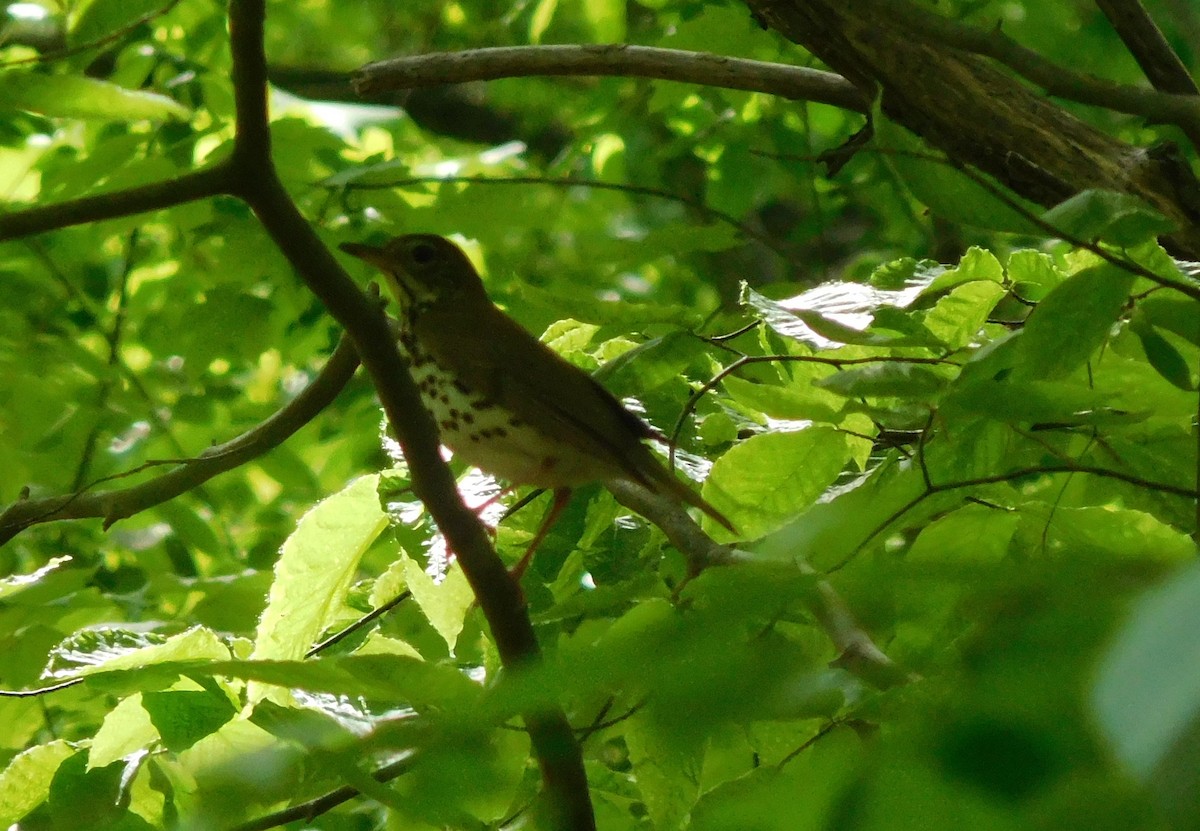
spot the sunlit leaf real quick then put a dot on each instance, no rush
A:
(71, 96)
(1072, 322)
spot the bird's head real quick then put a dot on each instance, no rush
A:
(422, 269)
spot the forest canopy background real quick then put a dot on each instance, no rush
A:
(911, 289)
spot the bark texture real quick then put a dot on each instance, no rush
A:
(979, 113)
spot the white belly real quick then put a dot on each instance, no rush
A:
(493, 440)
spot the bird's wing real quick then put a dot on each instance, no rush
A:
(494, 357)
(505, 363)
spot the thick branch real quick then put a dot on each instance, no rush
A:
(1056, 79)
(792, 82)
(979, 114)
(114, 505)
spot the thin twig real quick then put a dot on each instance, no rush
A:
(690, 405)
(858, 652)
(118, 504)
(188, 187)
(366, 619)
(1192, 290)
(113, 338)
(111, 37)
(932, 489)
(642, 190)
(315, 807)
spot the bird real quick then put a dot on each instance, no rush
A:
(502, 400)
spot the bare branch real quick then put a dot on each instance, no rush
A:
(1150, 49)
(932, 488)
(945, 93)
(793, 82)
(1056, 79)
(188, 187)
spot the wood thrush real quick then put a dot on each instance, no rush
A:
(502, 400)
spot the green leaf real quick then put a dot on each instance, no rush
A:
(976, 265)
(802, 399)
(386, 677)
(1180, 315)
(1107, 215)
(958, 317)
(972, 535)
(86, 798)
(831, 531)
(126, 729)
(315, 570)
(90, 652)
(17, 584)
(72, 96)
(1072, 322)
(25, 783)
(1029, 402)
(769, 478)
(445, 603)
(1147, 695)
(887, 379)
(945, 189)
(804, 793)
(665, 770)
(568, 336)
(1165, 358)
(846, 313)
(101, 18)
(1106, 531)
(183, 717)
(1032, 274)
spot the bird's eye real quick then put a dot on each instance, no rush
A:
(423, 253)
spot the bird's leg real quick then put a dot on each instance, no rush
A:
(561, 497)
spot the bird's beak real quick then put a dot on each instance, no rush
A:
(369, 253)
(393, 277)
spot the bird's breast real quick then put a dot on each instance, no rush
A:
(491, 437)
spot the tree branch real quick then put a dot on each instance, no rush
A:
(326, 802)
(793, 82)
(188, 187)
(943, 92)
(115, 505)
(1056, 79)
(500, 598)
(571, 182)
(859, 654)
(1149, 48)
(932, 488)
